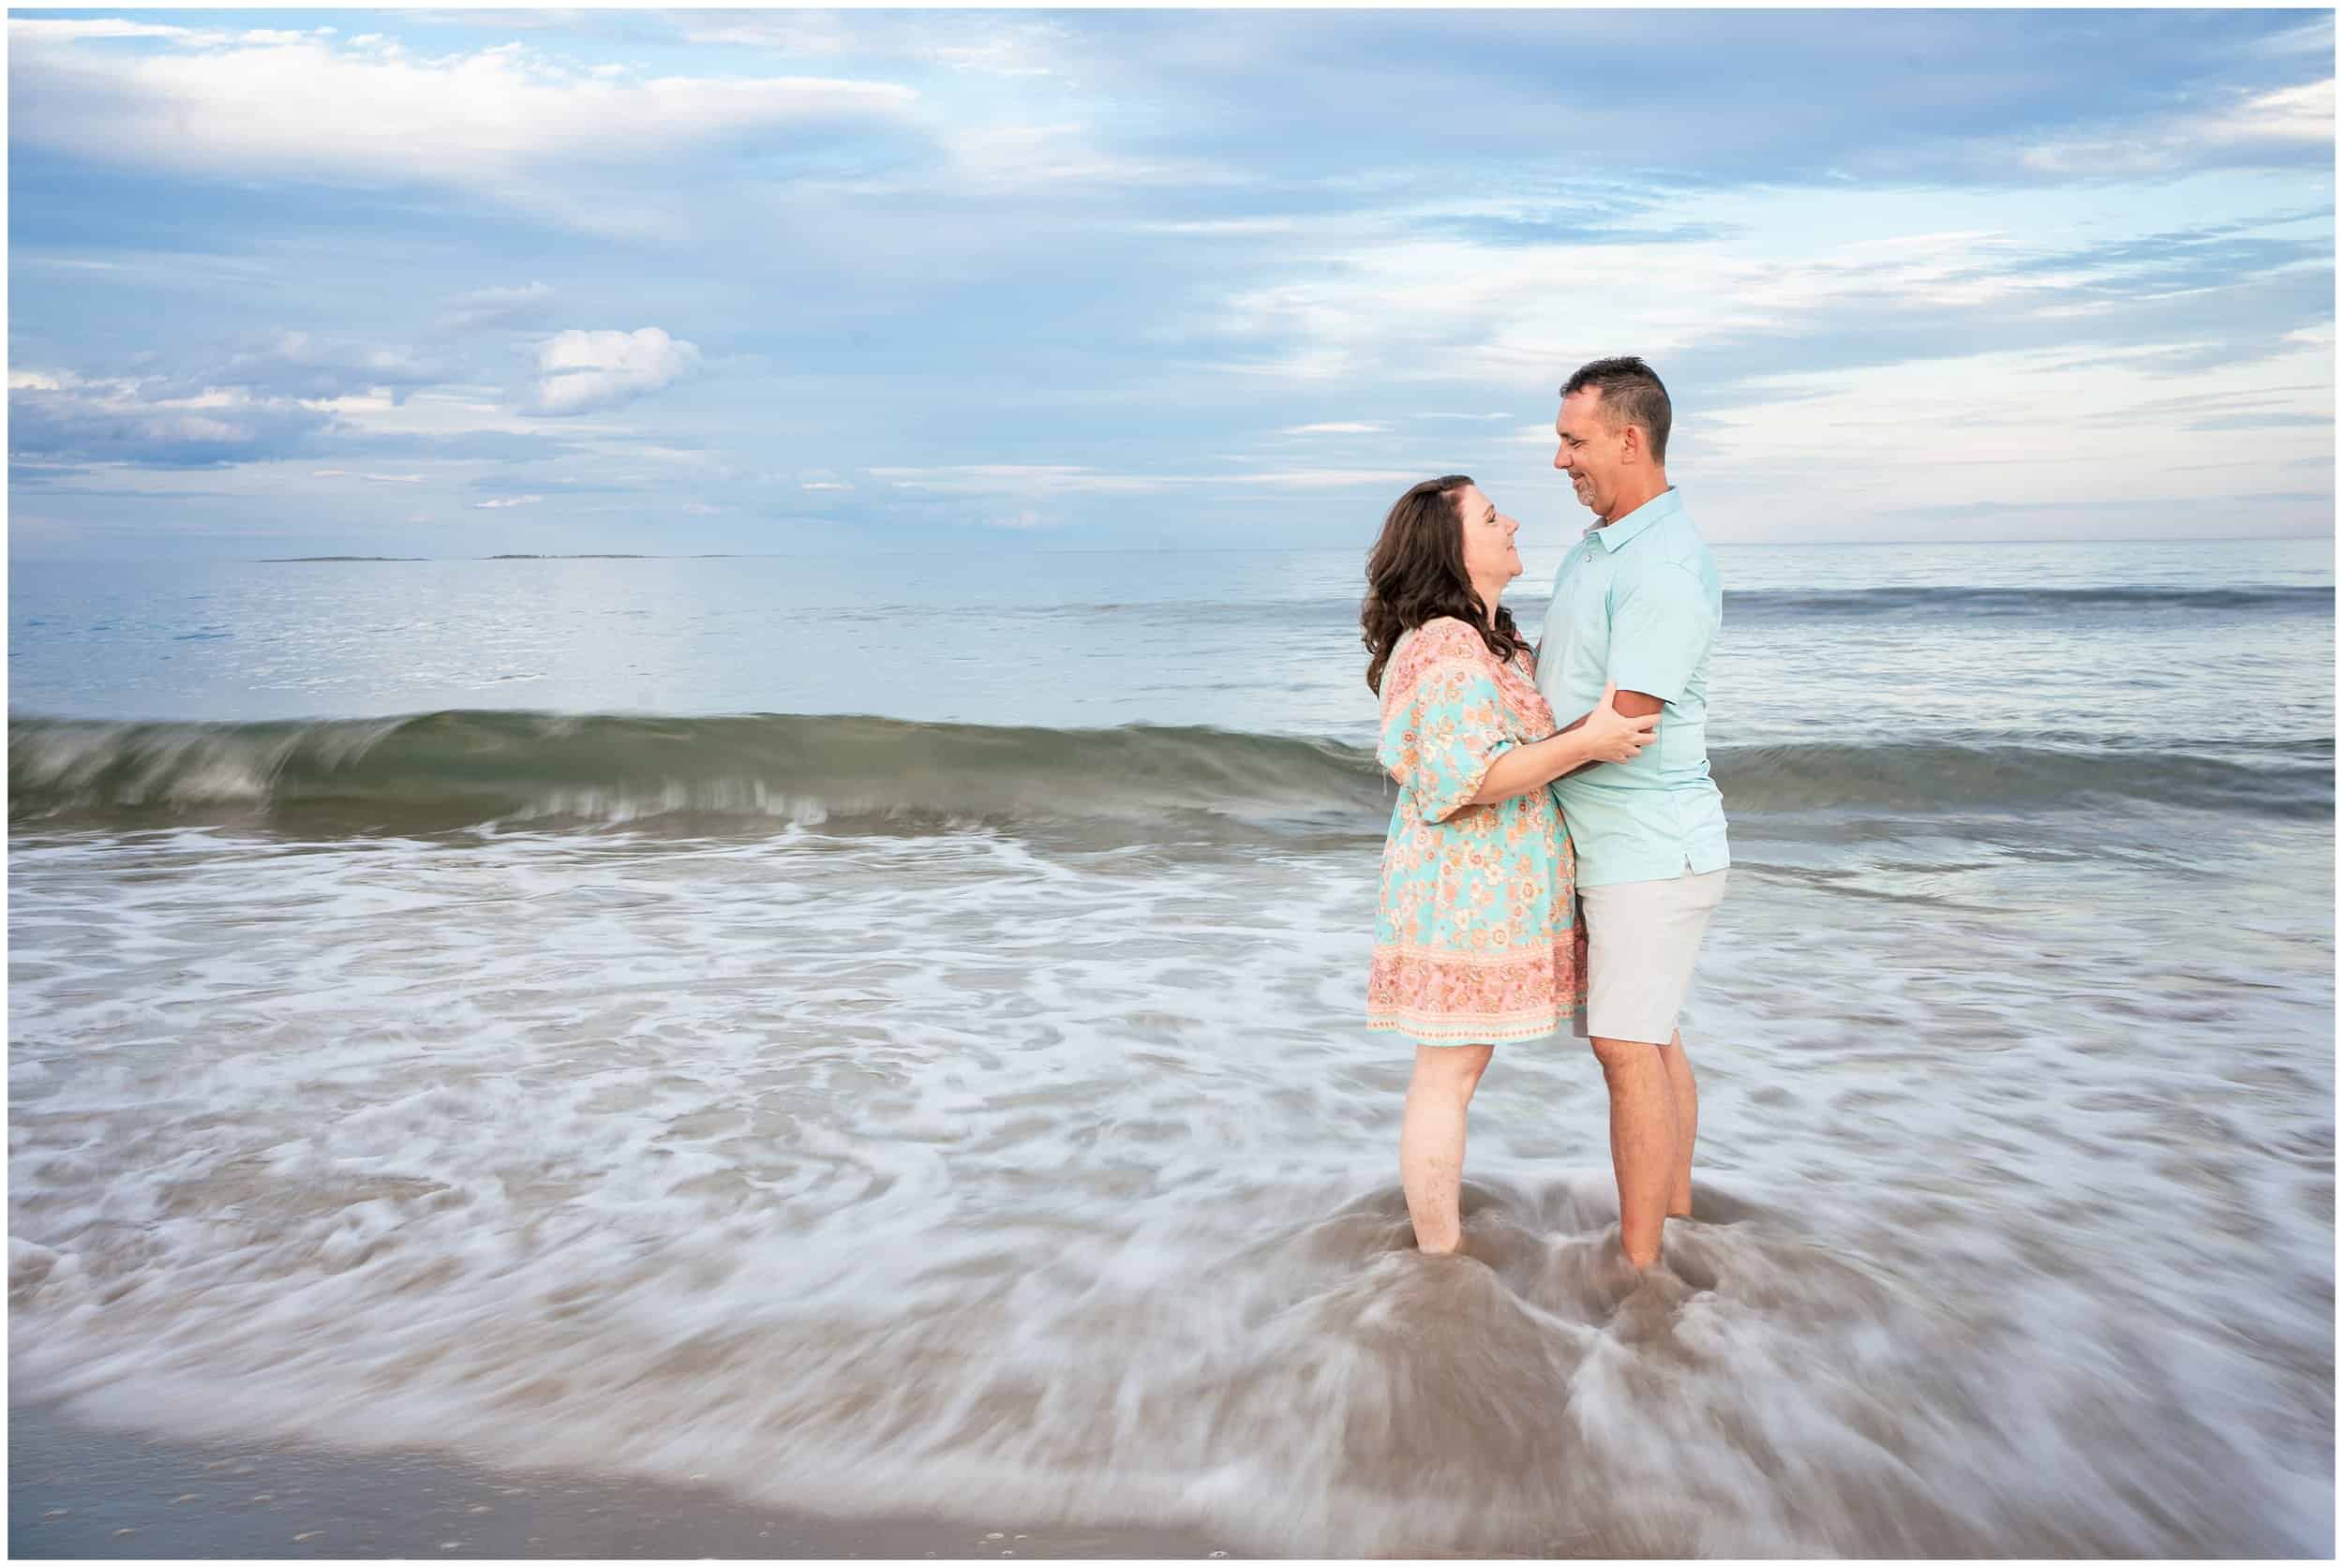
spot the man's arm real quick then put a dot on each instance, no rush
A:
(1633, 705)
(1522, 769)
(1658, 636)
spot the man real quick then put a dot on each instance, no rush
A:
(1638, 602)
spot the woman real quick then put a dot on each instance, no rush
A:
(1475, 943)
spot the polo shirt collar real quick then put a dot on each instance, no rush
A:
(1620, 534)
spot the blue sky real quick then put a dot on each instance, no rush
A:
(458, 283)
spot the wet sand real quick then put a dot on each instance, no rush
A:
(78, 1491)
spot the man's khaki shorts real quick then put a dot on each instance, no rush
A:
(1642, 938)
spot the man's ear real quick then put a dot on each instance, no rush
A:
(1632, 452)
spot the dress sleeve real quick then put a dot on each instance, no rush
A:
(1443, 723)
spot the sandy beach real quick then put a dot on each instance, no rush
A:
(78, 1491)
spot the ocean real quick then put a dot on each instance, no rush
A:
(883, 1034)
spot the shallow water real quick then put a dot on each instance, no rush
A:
(932, 1172)
(966, 1146)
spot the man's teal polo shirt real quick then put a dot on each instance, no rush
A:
(1638, 602)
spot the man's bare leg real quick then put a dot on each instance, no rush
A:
(1643, 1141)
(1685, 1094)
(1432, 1139)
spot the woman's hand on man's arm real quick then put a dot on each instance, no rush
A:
(1606, 734)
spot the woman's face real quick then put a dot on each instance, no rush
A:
(1489, 553)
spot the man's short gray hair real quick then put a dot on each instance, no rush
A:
(1631, 395)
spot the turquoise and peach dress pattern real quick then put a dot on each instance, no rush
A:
(1474, 942)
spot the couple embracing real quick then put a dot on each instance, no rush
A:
(1537, 875)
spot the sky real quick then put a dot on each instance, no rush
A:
(462, 283)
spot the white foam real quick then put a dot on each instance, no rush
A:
(963, 1174)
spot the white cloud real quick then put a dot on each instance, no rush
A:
(1233, 228)
(2304, 113)
(151, 421)
(303, 106)
(505, 500)
(26, 30)
(1337, 427)
(303, 364)
(501, 120)
(2314, 37)
(1319, 479)
(992, 56)
(784, 32)
(375, 401)
(1437, 310)
(1036, 479)
(1019, 478)
(449, 413)
(494, 307)
(990, 45)
(370, 478)
(170, 267)
(997, 155)
(578, 372)
(2299, 116)
(2091, 430)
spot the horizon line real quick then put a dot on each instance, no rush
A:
(1132, 549)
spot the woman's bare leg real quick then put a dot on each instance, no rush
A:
(1432, 1139)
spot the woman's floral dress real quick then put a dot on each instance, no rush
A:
(1475, 942)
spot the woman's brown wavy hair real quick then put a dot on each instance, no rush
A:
(1416, 573)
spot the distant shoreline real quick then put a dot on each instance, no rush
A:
(1224, 550)
(604, 555)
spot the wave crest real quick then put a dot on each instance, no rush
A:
(459, 768)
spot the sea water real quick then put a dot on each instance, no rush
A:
(883, 1034)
